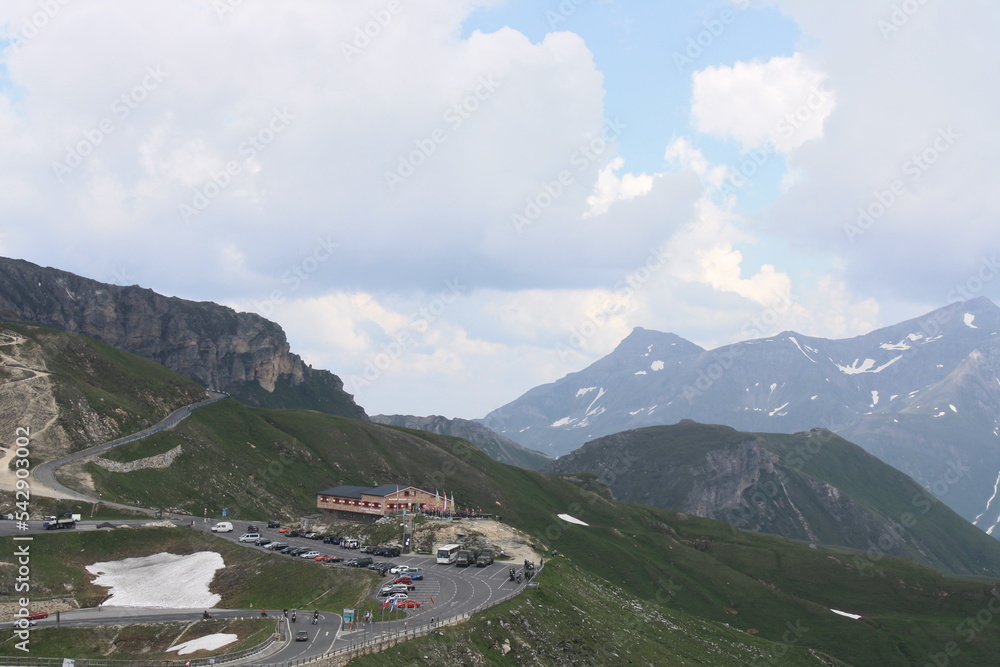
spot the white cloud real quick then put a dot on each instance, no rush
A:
(783, 102)
(611, 188)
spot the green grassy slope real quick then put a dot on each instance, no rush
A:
(262, 462)
(872, 507)
(96, 383)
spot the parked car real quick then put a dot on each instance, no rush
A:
(277, 546)
(249, 537)
(290, 549)
(408, 602)
(399, 569)
(252, 529)
(310, 554)
(394, 589)
(415, 573)
(312, 536)
(405, 581)
(38, 615)
(350, 544)
(263, 541)
(361, 561)
(329, 559)
(274, 524)
(297, 551)
(331, 539)
(301, 636)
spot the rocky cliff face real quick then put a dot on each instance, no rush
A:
(240, 353)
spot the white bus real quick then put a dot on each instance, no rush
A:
(448, 554)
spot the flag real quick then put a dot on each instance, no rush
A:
(432, 600)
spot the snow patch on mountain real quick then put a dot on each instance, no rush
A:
(640, 373)
(656, 366)
(874, 398)
(969, 319)
(565, 421)
(901, 345)
(792, 338)
(867, 366)
(584, 391)
(777, 410)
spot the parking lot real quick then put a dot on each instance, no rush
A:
(445, 590)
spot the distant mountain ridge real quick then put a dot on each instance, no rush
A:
(811, 486)
(922, 395)
(495, 445)
(240, 353)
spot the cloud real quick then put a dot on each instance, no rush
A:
(783, 102)
(611, 188)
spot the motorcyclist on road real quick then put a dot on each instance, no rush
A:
(206, 614)
(293, 617)
(316, 617)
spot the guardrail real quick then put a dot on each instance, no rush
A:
(390, 638)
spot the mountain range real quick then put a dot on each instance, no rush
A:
(922, 395)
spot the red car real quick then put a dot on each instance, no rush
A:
(403, 580)
(408, 603)
(37, 615)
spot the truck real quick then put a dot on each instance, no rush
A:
(67, 520)
(485, 558)
(465, 559)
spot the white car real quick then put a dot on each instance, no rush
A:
(310, 554)
(222, 527)
(249, 537)
(399, 569)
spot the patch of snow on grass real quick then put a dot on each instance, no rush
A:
(206, 643)
(844, 613)
(141, 582)
(571, 519)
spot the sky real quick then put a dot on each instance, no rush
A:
(449, 202)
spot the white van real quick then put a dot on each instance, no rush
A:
(249, 537)
(222, 527)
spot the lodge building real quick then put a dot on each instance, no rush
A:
(363, 503)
